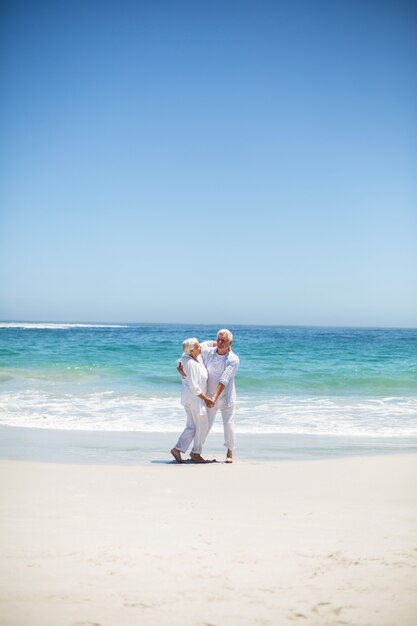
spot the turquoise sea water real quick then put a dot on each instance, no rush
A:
(340, 381)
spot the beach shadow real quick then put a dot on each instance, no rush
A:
(186, 462)
(160, 462)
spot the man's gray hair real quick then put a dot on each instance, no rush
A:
(189, 344)
(224, 331)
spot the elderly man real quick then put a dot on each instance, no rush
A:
(221, 364)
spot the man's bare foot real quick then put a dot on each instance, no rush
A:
(177, 455)
(229, 456)
(197, 458)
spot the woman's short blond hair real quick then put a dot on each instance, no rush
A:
(189, 344)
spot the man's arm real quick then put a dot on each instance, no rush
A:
(208, 344)
(229, 371)
(180, 370)
(180, 366)
(218, 391)
(226, 377)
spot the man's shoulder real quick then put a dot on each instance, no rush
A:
(233, 358)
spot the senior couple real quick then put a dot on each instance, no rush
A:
(208, 384)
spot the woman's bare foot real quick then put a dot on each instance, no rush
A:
(229, 456)
(177, 455)
(197, 458)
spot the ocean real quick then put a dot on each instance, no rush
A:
(292, 380)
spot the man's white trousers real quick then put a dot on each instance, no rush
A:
(228, 416)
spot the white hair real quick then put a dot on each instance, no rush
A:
(224, 331)
(189, 344)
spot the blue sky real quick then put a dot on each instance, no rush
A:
(222, 162)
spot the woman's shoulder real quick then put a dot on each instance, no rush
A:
(194, 363)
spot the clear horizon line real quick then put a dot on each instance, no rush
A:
(188, 323)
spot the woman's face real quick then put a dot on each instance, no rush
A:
(196, 351)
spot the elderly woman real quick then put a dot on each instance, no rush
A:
(195, 401)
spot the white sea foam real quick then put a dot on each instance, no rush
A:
(30, 325)
(110, 411)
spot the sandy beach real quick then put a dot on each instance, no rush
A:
(255, 543)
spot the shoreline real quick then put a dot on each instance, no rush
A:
(138, 448)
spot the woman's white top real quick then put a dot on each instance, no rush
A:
(194, 383)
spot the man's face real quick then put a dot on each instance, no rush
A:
(223, 343)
